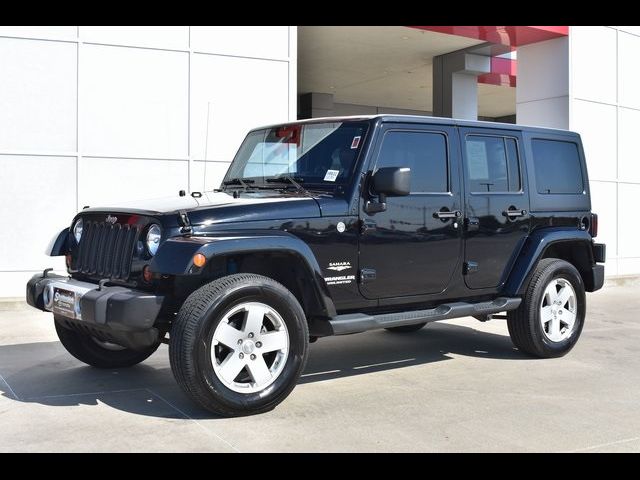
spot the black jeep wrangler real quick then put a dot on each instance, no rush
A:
(329, 227)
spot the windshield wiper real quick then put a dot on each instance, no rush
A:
(238, 181)
(295, 181)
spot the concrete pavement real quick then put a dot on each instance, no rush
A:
(453, 386)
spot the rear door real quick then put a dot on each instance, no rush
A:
(496, 204)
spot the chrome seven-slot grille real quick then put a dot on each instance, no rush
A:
(106, 249)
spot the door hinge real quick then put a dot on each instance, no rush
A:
(366, 225)
(367, 275)
(470, 267)
(472, 224)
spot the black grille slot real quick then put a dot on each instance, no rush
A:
(106, 250)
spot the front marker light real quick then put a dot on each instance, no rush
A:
(153, 239)
(77, 230)
(199, 260)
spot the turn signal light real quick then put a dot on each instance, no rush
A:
(67, 258)
(199, 260)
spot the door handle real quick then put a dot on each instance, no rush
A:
(514, 212)
(444, 214)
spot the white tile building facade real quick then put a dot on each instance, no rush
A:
(90, 115)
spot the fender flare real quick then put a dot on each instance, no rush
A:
(535, 246)
(175, 256)
(59, 244)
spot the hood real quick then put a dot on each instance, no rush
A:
(219, 207)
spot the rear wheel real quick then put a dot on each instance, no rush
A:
(550, 318)
(406, 328)
(97, 353)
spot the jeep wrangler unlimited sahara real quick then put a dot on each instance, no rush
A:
(330, 227)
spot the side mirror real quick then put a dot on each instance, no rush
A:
(388, 182)
(392, 181)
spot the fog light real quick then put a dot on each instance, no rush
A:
(199, 260)
(147, 274)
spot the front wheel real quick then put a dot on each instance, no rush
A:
(97, 353)
(550, 318)
(239, 344)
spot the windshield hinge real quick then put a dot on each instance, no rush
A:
(184, 222)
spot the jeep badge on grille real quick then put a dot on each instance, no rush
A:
(111, 219)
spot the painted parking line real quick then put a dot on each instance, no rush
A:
(328, 372)
(383, 363)
(602, 445)
(187, 416)
(80, 394)
(9, 388)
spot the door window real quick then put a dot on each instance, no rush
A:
(425, 153)
(492, 164)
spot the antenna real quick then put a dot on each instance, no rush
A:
(206, 150)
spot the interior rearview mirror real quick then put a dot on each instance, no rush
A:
(388, 182)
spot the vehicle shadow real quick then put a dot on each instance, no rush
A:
(46, 374)
(380, 350)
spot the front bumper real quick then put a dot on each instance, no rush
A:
(117, 314)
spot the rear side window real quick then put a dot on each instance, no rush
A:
(492, 164)
(557, 166)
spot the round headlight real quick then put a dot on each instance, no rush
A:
(77, 230)
(153, 239)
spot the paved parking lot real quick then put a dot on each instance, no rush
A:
(454, 386)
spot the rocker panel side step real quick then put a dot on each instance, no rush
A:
(360, 322)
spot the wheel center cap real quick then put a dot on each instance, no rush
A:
(248, 346)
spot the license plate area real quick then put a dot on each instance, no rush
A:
(64, 302)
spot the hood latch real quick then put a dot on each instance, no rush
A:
(185, 224)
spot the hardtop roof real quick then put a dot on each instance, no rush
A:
(425, 120)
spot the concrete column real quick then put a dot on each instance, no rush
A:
(542, 92)
(314, 105)
(455, 84)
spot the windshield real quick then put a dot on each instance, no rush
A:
(314, 153)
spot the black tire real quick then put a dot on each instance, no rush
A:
(191, 342)
(406, 328)
(524, 323)
(86, 349)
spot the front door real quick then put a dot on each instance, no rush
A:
(413, 247)
(497, 204)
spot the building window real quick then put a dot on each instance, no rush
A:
(557, 166)
(492, 164)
